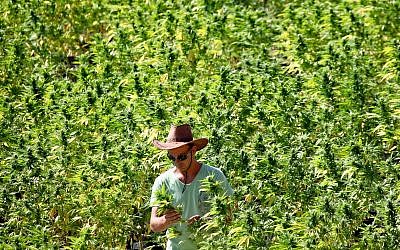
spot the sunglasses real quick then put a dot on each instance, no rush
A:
(180, 157)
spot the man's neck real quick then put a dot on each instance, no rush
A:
(192, 171)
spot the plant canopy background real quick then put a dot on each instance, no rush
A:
(300, 100)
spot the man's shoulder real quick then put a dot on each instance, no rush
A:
(209, 168)
(219, 176)
(212, 170)
(165, 176)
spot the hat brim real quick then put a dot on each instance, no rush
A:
(199, 143)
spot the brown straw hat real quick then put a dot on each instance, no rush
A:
(179, 136)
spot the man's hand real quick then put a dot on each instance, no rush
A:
(171, 217)
(193, 219)
(161, 223)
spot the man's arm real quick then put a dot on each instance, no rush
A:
(161, 223)
(229, 192)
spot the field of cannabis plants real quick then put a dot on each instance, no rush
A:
(300, 100)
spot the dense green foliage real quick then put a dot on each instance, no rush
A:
(300, 100)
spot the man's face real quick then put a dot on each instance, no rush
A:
(181, 156)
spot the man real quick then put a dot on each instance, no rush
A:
(183, 181)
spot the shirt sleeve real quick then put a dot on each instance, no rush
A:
(156, 186)
(224, 182)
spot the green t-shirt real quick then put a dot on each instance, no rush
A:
(193, 201)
